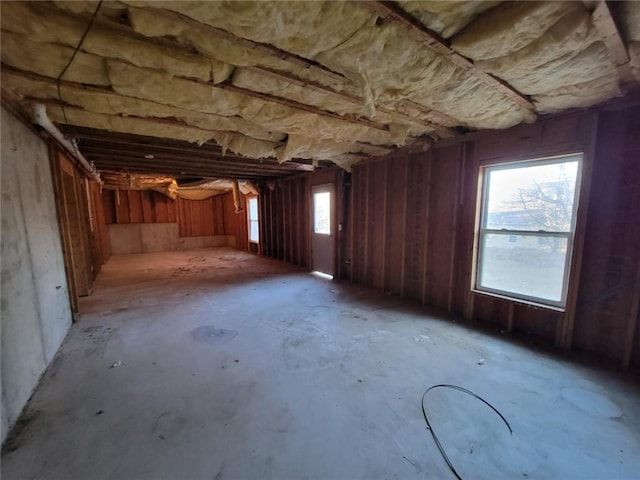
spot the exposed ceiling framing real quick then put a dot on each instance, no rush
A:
(392, 12)
(271, 83)
(129, 153)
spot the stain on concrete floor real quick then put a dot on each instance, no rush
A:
(211, 335)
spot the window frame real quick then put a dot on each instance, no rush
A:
(482, 230)
(249, 220)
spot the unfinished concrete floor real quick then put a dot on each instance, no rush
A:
(216, 364)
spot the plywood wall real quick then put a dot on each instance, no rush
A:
(81, 222)
(285, 216)
(413, 219)
(410, 227)
(284, 220)
(195, 218)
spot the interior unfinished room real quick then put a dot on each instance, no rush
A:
(320, 240)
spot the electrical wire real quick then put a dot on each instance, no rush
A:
(75, 52)
(433, 433)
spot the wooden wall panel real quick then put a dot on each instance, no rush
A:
(122, 207)
(148, 210)
(80, 215)
(304, 225)
(285, 215)
(109, 206)
(242, 226)
(462, 299)
(218, 215)
(212, 216)
(161, 206)
(376, 225)
(428, 233)
(229, 215)
(359, 217)
(134, 198)
(397, 178)
(416, 225)
(102, 233)
(605, 319)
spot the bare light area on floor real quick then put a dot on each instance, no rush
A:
(218, 364)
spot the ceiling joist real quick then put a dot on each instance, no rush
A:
(605, 24)
(391, 12)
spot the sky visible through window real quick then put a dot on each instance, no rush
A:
(539, 197)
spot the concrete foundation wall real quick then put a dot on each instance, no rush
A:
(35, 303)
(159, 237)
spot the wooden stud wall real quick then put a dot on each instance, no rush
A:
(412, 224)
(284, 220)
(80, 221)
(285, 216)
(212, 216)
(607, 303)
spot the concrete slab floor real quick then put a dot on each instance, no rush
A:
(216, 364)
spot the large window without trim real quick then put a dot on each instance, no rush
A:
(252, 208)
(527, 223)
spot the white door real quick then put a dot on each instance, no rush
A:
(322, 228)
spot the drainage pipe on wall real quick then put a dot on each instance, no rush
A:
(40, 118)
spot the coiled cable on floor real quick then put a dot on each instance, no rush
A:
(433, 433)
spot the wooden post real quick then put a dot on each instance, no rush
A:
(632, 321)
(457, 205)
(384, 225)
(564, 331)
(404, 226)
(425, 252)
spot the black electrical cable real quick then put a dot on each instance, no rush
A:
(75, 52)
(433, 434)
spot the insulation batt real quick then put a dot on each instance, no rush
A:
(509, 28)
(548, 50)
(395, 67)
(106, 102)
(303, 28)
(446, 17)
(581, 94)
(307, 94)
(155, 23)
(574, 68)
(570, 34)
(390, 65)
(162, 87)
(249, 147)
(304, 147)
(629, 16)
(49, 60)
(134, 125)
(47, 26)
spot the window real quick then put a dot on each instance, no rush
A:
(527, 223)
(322, 213)
(252, 208)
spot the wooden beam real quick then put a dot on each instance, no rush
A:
(391, 12)
(172, 170)
(358, 101)
(261, 48)
(564, 330)
(124, 162)
(266, 97)
(88, 136)
(92, 152)
(605, 25)
(425, 245)
(632, 321)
